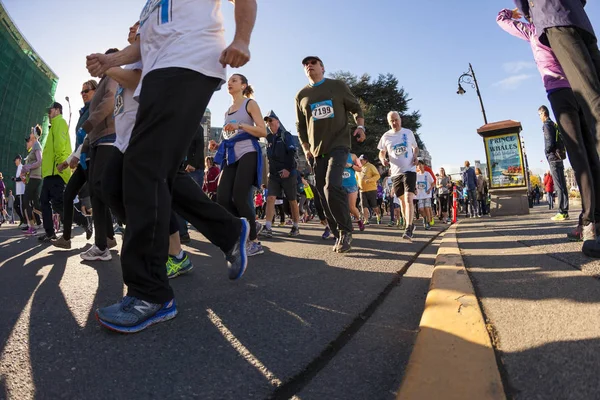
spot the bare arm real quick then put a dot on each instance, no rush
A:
(127, 78)
(259, 130)
(382, 155)
(98, 64)
(237, 53)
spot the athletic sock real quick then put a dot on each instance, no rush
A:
(268, 225)
(180, 255)
(295, 225)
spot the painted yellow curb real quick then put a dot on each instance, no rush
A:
(453, 356)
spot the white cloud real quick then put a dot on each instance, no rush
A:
(512, 82)
(514, 67)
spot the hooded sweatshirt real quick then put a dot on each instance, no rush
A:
(100, 123)
(57, 149)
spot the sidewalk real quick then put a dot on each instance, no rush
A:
(541, 299)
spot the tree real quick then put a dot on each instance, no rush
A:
(535, 180)
(377, 98)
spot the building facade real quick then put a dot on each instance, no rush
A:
(27, 88)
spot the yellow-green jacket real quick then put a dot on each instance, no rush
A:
(56, 149)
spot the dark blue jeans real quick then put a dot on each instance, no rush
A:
(557, 169)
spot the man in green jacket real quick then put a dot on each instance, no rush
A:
(56, 150)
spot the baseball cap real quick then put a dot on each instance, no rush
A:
(271, 115)
(56, 105)
(307, 58)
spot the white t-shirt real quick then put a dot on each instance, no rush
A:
(19, 186)
(184, 34)
(399, 146)
(125, 112)
(424, 183)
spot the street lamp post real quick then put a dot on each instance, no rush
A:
(470, 79)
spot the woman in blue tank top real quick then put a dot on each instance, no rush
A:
(351, 186)
(240, 156)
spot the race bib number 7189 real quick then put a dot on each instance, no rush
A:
(322, 110)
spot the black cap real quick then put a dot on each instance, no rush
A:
(307, 58)
(271, 115)
(18, 157)
(55, 105)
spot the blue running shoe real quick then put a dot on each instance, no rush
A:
(237, 257)
(254, 249)
(176, 266)
(326, 234)
(132, 315)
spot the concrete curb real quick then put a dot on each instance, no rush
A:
(453, 357)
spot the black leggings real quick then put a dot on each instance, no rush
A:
(74, 186)
(103, 228)
(235, 186)
(33, 189)
(19, 208)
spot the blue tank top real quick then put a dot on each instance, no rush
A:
(349, 175)
(239, 116)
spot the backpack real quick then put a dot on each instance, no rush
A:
(560, 151)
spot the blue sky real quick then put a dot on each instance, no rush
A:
(426, 44)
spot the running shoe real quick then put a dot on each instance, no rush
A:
(254, 249)
(176, 266)
(326, 234)
(409, 233)
(560, 217)
(45, 238)
(31, 231)
(432, 223)
(391, 224)
(237, 257)
(266, 233)
(281, 224)
(427, 227)
(89, 231)
(95, 254)
(591, 248)
(24, 227)
(366, 222)
(132, 315)
(378, 221)
(576, 234)
(588, 233)
(119, 230)
(62, 243)
(295, 231)
(361, 225)
(345, 243)
(111, 243)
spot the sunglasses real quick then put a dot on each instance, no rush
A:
(86, 91)
(311, 62)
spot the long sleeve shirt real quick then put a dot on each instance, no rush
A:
(322, 115)
(550, 141)
(57, 149)
(553, 13)
(367, 178)
(552, 73)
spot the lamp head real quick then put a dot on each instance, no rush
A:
(460, 89)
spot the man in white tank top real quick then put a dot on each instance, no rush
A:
(182, 47)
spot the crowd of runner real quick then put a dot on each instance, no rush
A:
(123, 176)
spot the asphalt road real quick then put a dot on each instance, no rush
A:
(302, 322)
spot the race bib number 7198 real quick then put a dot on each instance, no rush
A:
(322, 110)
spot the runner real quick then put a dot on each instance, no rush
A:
(19, 191)
(211, 178)
(79, 177)
(31, 174)
(368, 178)
(283, 175)
(350, 184)
(400, 145)
(322, 109)
(240, 155)
(176, 44)
(443, 186)
(425, 185)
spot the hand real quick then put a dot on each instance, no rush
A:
(360, 135)
(284, 173)
(212, 145)
(385, 162)
(62, 166)
(415, 161)
(189, 168)
(74, 162)
(309, 155)
(236, 55)
(516, 14)
(230, 127)
(97, 64)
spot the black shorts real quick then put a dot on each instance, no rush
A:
(278, 186)
(404, 183)
(369, 199)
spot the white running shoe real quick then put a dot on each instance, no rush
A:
(95, 254)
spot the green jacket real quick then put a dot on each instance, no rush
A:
(56, 149)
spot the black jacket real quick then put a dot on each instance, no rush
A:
(281, 151)
(550, 140)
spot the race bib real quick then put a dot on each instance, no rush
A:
(346, 174)
(119, 103)
(322, 110)
(422, 186)
(400, 150)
